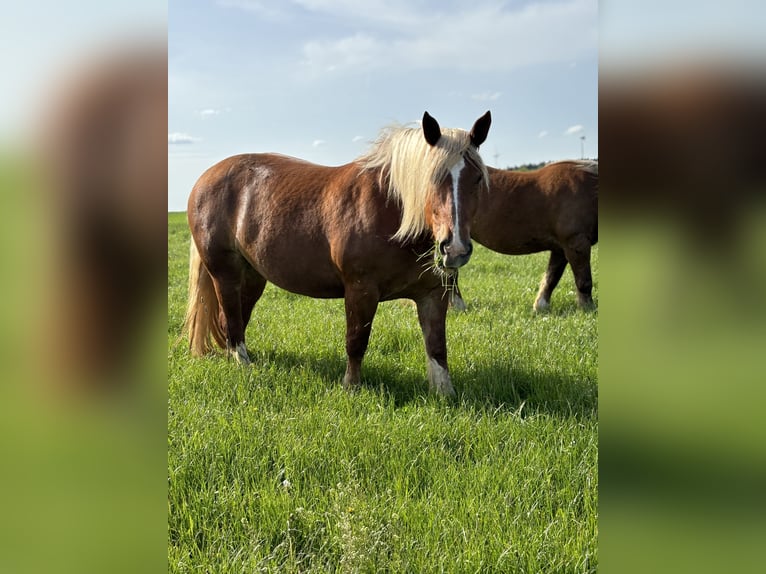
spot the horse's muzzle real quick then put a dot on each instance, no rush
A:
(453, 254)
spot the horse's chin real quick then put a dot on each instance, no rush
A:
(444, 270)
(451, 266)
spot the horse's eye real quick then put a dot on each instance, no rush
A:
(479, 178)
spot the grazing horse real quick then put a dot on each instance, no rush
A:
(552, 208)
(357, 231)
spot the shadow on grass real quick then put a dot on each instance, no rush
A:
(564, 308)
(496, 386)
(500, 386)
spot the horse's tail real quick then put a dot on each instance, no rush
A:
(201, 320)
(592, 171)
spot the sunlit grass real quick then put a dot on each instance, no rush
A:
(276, 468)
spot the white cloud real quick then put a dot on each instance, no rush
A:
(369, 12)
(486, 36)
(262, 9)
(357, 139)
(486, 96)
(181, 138)
(358, 51)
(574, 130)
(317, 143)
(542, 133)
(208, 113)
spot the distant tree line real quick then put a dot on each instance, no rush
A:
(528, 166)
(533, 166)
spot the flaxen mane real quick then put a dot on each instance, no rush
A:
(413, 167)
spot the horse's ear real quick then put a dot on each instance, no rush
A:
(431, 129)
(480, 129)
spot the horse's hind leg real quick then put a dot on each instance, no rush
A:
(432, 314)
(228, 275)
(578, 254)
(252, 289)
(361, 306)
(556, 265)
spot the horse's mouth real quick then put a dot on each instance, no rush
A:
(449, 271)
(450, 265)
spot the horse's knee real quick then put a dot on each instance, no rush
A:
(584, 285)
(357, 339)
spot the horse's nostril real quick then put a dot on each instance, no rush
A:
(443, 246)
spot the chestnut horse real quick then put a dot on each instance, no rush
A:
(552, 208)
(357, 231)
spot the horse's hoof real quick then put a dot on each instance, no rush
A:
(240, 354)
(439, 379)
(541, 306)
(351, 383)
(458, 304)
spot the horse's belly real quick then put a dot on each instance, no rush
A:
(301, 277)
(518, 246)
(311, 287)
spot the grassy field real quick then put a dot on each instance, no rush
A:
(275, 468)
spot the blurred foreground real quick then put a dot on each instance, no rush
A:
(682, 313)
(682, 329)
(83, 197)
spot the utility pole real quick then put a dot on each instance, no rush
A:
(582, 147)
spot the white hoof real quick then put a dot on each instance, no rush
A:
(457, 302)
(240, 354)
(541, 305)
(439, 379)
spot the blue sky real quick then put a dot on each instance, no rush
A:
(318, 79)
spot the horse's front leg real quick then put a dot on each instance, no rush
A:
(432, 314)
(361, 305)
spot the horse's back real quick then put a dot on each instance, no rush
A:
(233, 194)
(262, 211)
(226, 182)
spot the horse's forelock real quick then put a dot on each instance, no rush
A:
(412, 167)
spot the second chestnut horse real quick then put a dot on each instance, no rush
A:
(554, 208)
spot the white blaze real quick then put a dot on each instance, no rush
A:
(455, 173)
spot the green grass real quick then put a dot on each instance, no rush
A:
(275, 468)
